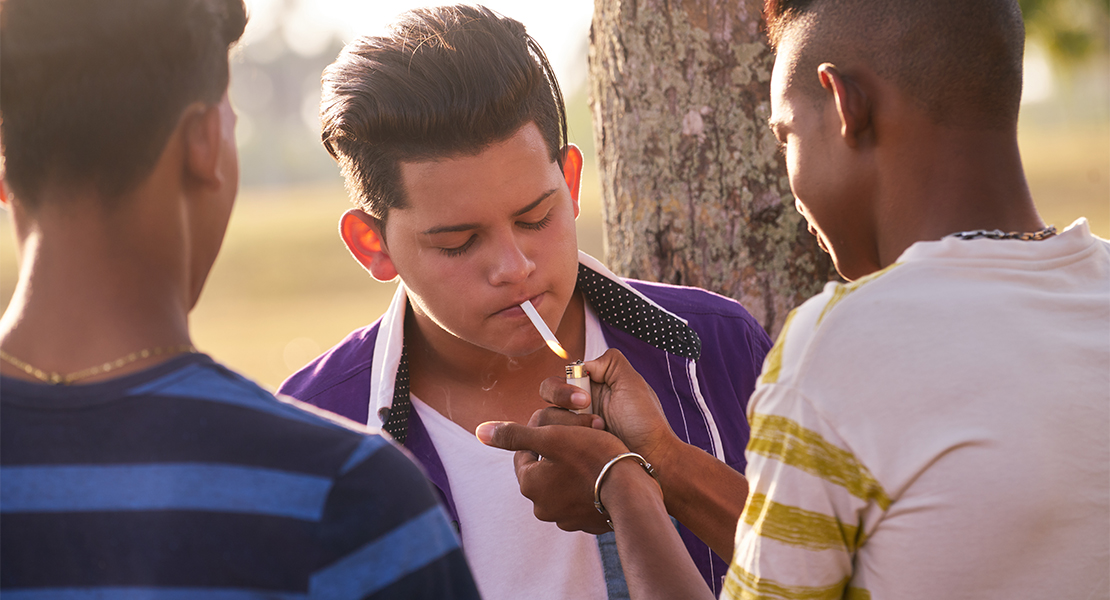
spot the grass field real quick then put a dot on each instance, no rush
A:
(284, 287)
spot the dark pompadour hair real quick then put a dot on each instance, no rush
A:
(443, 81)
(959, 59)
(90, 90)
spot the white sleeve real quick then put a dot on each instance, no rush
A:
(809, 503)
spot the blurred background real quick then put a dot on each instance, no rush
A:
(284, 288)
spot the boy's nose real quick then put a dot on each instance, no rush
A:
(511, 264)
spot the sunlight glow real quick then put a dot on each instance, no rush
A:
(309, 25)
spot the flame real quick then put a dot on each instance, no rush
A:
(557, 349)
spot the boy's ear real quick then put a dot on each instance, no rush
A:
(852, 105)
(572, 172)
(201, 129)
(363, 237)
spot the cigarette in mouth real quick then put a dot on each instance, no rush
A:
(544, 330)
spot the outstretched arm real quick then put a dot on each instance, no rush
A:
(655, 561)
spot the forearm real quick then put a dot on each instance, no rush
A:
(703, 493)
(655, 561)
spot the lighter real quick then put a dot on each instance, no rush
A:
(578, 376)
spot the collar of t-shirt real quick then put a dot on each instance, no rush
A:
(612, 299)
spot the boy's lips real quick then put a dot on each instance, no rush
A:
(514, 309)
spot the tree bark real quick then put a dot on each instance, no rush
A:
(694, 189)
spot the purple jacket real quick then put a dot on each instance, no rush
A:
(699, 351)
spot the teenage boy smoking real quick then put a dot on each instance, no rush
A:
(451, 133)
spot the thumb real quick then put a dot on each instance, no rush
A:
(506, 435)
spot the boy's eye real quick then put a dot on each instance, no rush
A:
(537, 225)
(458, 250)
(462, 248)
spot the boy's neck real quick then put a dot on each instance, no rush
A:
(470, 385)
(963, 179)
(83, 299)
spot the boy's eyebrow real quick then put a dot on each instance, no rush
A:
(534, 203)
(467, 226)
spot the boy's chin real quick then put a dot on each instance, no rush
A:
(524, 350)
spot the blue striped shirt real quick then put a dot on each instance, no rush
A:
(188, 481)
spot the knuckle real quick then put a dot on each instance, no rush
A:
(565, 526)
(542, 514)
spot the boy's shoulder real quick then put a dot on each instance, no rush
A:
(723, 325)
(597, 282)
(339, 379)
(691, 302)
(228, 394)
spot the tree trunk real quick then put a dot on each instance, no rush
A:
(694, 189)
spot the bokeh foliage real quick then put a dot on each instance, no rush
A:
(1071, 30)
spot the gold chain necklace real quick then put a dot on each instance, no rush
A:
(996, 234)
(58, 378)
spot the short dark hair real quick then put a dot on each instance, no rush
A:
(960, 59)
(90, 90)
(443, 81)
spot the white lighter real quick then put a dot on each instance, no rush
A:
(578, 376)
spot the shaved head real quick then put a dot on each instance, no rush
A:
(960, 60)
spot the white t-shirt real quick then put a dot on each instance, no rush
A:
(512, 554)
(940, 429)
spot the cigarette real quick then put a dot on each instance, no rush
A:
(544, 330)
